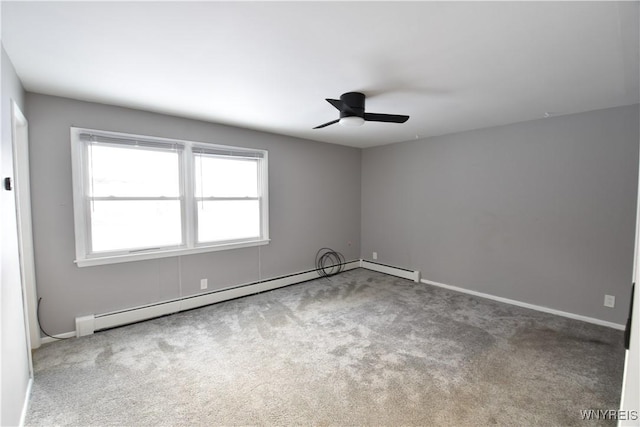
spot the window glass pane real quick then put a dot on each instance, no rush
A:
(228, 220)
(133, 172)
(225, 177)
(125, 224)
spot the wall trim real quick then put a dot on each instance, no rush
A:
(392, 270)
(62, 336)
(527, 305)
(86, 325)
(27, 400)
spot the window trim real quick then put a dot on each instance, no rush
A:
(79, 158)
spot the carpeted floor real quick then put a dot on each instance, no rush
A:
(361, 348)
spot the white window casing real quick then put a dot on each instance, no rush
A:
(185, 197)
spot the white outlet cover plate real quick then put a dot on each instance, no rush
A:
(609, 301)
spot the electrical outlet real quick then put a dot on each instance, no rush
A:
(204, 283)
(609, 301)
(375, 255)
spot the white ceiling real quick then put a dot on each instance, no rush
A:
(451, 66)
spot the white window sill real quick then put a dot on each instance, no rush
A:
(140, 256)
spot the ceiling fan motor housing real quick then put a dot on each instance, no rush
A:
(353, 104)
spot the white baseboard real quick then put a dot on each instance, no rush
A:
(527, 305)
(65, 335)
(86, 325)
(25, 405)
(389, 269)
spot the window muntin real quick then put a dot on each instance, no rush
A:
(145, 197)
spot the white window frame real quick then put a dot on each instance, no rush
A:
(81, 199)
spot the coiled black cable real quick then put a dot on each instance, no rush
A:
(329, 262)
(40, 323)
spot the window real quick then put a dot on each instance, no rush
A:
(138, 197)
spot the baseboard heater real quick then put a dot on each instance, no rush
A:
(87, 325)
(390, 269)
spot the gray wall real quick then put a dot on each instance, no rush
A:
(15, 360)
(542, 212)
(314, 201)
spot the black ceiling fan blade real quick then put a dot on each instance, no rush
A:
(327, 124)
(388, 118)
(336, 103)
(342, 106)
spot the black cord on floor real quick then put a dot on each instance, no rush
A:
(40, 324)
(329, 262)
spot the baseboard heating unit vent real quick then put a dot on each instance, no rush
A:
(87, 325)
(389, 269)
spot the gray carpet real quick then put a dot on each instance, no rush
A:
(361, 348)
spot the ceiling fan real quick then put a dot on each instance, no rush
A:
(351, 107)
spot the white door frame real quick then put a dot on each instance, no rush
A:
(630, 399)
(20, 140)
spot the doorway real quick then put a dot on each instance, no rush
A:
(20, 141)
